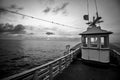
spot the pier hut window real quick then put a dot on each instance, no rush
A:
(104, 43)
(93, 41)
(85, 41)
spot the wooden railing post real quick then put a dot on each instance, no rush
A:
(68, 60)
(60, 66)
(50, 72)
(65, 61)
(35, 77)
(71, 57)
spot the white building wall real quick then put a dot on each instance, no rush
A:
(96, 55)
(85, 53)
(104, 56)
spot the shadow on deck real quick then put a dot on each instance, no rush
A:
(81, 70)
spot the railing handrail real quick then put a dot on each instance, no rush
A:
(116, 52)
(39, 67)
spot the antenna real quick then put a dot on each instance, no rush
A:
(96, 8)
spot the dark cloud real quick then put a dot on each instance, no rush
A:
(57, 9)
(2, 11)
(50, 33)
(47, 10)
(60, 8)
(11, 7)
(18, 29)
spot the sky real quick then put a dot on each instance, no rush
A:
(68, 12)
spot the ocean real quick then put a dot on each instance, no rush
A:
(19, 55)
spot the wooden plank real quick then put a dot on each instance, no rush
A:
(55, 72)
(55, 67)
(43, 70)
(43, 75)
(29, 78)
(46, 78)
(55, 63)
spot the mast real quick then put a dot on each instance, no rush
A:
(96, 19)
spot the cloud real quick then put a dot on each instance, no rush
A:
(2, 11)
(65, 12)
(15, 7)
(60, 8)
(47, 2)
(11, 7)
(50, 33)
(47, 10)
(56, 8)
(9, 28)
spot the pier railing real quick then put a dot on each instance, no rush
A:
(48, 70)
(115, 57)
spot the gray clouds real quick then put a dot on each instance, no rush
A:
(15, 7)
(2, 11)
(11, 7)
(18, 29)
(47, 10)
(57, 9)
(60, 8)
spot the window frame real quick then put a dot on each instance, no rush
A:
(97, 42)
(84, 41)
(106, 42)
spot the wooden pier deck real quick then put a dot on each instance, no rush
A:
(79, 70)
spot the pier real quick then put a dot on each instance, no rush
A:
(72, 67)
(89, 70)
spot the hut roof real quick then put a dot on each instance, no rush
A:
(95, 30)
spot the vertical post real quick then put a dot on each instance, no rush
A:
(60, 65)
(50, 72)
(89, 39)
(35, 75)
(67, 48)
(71, 57)
(65, 61)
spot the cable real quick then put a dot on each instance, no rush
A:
(96, 7)
(88, 9)
(24, 15)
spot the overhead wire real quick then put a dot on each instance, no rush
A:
(24, 15)
(96, 9)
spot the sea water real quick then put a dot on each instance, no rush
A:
(19, 55)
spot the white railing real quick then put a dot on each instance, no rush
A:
(46, 71)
